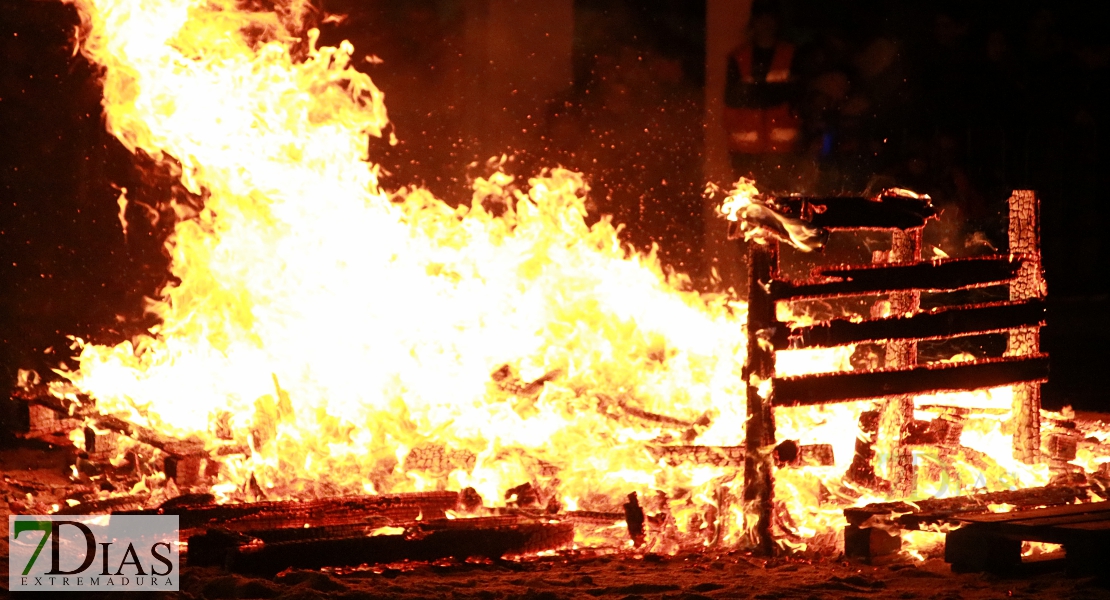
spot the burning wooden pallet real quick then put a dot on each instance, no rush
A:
(874, 531)
(992, 542)
(902, 276)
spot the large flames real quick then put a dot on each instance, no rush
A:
(347, 339)
(334, 329)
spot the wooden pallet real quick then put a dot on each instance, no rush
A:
(873, 531)
(992, 542)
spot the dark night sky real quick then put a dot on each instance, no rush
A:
(975, 103)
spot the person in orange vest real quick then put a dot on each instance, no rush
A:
(762, 125)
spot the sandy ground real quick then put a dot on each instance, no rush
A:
(39, 469)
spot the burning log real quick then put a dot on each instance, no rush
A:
(43, 420)
(488, 537)
(190, 471)
(993, 542)
(862, 471)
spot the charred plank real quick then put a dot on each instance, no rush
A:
(937, 275)
(277, 514)
(460, 539)
(842, 387)
(983, 318)
(852, 212)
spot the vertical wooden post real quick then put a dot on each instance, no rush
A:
(902, 354)
(862, 471)
(1024, 234)
(763, 265)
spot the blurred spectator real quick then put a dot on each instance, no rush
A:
(761, 118)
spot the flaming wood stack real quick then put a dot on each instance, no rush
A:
(902, 276)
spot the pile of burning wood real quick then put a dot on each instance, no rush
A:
(265, 536)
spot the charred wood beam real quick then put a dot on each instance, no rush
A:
(937, 510)
(937, 275)
(274, 515)
(1025, 238)
(170, 445)
(73, 412)
(113, 504)
(634, 519)
(888, 212)
(460, 539)
(592, 517)
(788, 453)
(842, 387)
(983, 318)
(759, 429)
(717, 456)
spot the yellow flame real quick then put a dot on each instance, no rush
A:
(338, 331)
(740, 196)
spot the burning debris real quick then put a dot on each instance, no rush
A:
(345, 375)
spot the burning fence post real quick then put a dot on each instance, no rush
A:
(902, 354)
(1024, 237)
(763, 261)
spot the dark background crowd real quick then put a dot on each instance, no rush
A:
(964, 101)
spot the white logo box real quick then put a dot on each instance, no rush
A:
(93, 553)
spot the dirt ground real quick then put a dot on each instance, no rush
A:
(39, 470)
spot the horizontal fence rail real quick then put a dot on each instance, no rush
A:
(937, 275)
(937, 324)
